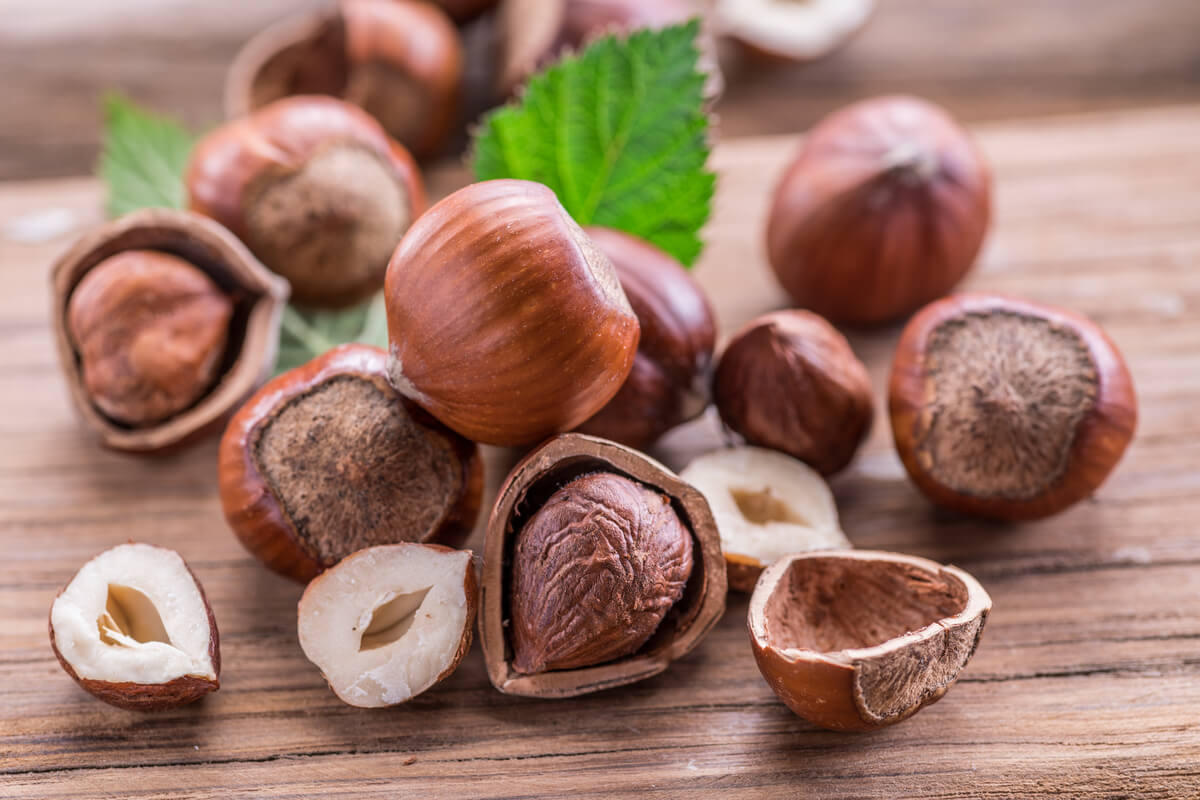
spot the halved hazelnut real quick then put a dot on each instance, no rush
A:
(766, 505)
(164, 322)
(854, 641)
(388, 622)
(791, 30)
(328, 459)
(591, 583)
(134, 628)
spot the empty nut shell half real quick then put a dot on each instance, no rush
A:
(248, 349)
(531, 484)
(856, 640)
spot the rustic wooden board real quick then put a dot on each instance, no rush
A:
(1086, 684)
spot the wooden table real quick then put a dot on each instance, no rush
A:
(1086, 684)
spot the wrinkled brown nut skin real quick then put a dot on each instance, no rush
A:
(256, 514)
(1099, 440)
(669, 382)
(884, 209)
(789, 381)
(595, 570)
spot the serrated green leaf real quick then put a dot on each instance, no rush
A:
(143, 159)
(306, 334)
(619, 133)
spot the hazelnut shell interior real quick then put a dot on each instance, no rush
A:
(530, 484)
(258, 297)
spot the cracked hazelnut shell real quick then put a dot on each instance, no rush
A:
(1007, 408)
(884, 209)
(217, 384)
(506, 322)
(858, 640)
(327, 459)
(669, 382)
(531, 484)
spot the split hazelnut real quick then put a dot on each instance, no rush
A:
(600, 568)
(855, 641)
(884, 209)
(789, 381)
(1007, 408)
(790, 31)
(400, 60)
(506, 322)
(327, 459)
(164, 323)
(316, 190)
(134, 628)
(389, 622)
(766, 505)
(669, 382)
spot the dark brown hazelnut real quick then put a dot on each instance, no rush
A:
(327, 459)
(789, 381)
(672, 371)
(463, 11)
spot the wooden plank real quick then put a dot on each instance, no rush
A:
(1085, 684)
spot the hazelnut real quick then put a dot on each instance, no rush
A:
(164, 323)
(317, 191)
(788, 31)
(327, 459)
(669, 382)
(134, 628)
(463, 11)
(884, 209)
(766, 505)
(1006, 408)
(400, 60)
(506, 322)
(389, 622)
(854, 641)
(588, 575)
(790, 382)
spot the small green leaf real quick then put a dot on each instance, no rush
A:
(304, 334)
(143, 159)
(619, 133)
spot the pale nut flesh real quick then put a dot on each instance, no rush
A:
(787, 30)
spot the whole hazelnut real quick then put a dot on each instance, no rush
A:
(506, 322)
(669, 382)
(1007, 408)
(400, 60)
(884, 209)
(789, 381)
(150, 330)
(315, 189)
(327, 459)
(786, 31)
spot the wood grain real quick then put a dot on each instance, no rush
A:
(1085, 685)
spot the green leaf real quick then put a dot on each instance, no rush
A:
(143, 159)
(619, 133)
(304, 334)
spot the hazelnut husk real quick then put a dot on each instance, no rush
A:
(506, 322)
(400, 60)
(327, 459)
(669, 382)
(164, 323)
(884, 209)
(789, 381)
(587, 633)
(790, 32)
(1006, 408)
(858, 640)
(315, 189)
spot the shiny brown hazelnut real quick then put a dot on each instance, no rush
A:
(1006, 408)
(164, 323)
(315, 189)
(389, 622)
(669, 382)
(400, 60)
(786, 31)
(587, 582)
(506, 322)
(857, 640)
(327, 459)
(134, 628)
(884, 209)
(789, 381)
